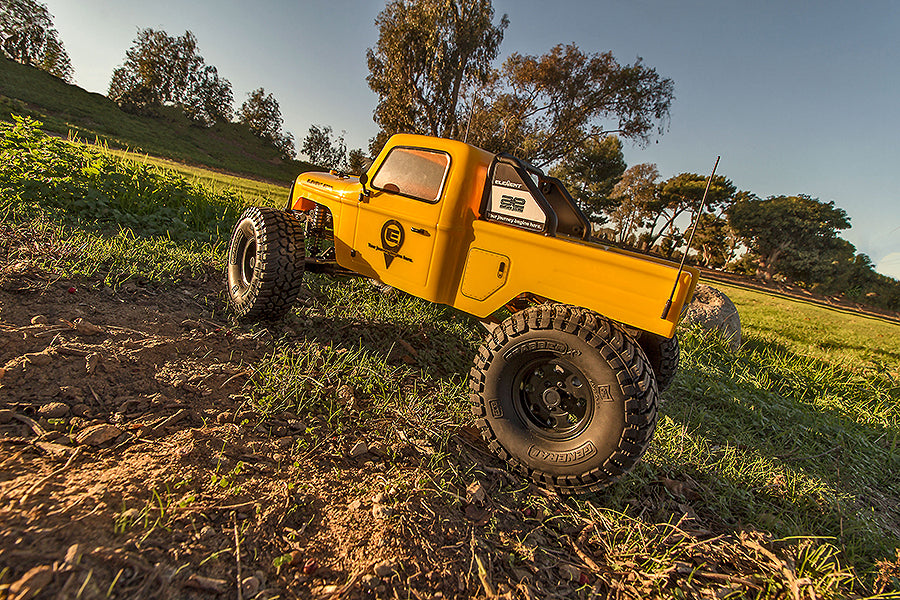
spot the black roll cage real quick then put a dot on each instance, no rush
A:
(564, 217)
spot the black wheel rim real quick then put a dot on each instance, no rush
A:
(246, 260)
(553, 398)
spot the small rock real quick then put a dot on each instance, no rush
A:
(325, 591)
(386, 568)
(31, 583)
(73, 555)
(69, 392)
(369, 581)
(207, 533)
(475, 493)
(38, 359)
(358, 449)
(85, 327)
(355, 505)
(81, 409)
(285, 442)
(250, 586)
(39, 320)
(296, 424)
(377, 448)
(380, 511)
(96, 435)
(54, 410)
(224, 417)
(310, 566)
(6, 416)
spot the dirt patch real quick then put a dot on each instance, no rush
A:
(133, 465)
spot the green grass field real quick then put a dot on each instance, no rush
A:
(795, 438)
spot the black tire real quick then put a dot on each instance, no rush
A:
(597, 413)
(663, 354)
(265, 263)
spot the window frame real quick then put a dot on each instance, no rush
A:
(440, 192)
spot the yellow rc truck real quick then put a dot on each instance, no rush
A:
(565, 388)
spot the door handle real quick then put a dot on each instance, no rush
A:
(420, 231)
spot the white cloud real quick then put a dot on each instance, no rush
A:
(890, 265)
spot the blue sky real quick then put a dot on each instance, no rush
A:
(797, 97)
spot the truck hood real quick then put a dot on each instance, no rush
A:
(328, 184)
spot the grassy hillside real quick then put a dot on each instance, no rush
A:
(66, 109)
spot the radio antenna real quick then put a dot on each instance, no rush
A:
(471, 112)
(665, 312)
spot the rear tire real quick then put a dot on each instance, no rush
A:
(265, 263)
(663, 354)
(565, 396)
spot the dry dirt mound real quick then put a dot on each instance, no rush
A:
(133, 467)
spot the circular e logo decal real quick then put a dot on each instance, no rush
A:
(392, 237)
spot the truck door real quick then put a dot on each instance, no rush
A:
(397, 225)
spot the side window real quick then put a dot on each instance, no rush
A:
(413, 172)
(510, 201)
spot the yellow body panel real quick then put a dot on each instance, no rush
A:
(443, 252)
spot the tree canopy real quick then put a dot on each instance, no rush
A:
(542, 108)
(160, 69)
(635, 194)
(323, 149)
(428, 54)
(787, 234)
(27, 36)
(262, 114)
(590, 172)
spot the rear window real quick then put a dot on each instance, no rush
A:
(413, 172)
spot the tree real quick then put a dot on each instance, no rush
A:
(714, 241)
(635, 193)
(262, 114)
(357, 162)
(789, 235)
(683, 193)
(323, 150)
(429, 52)
(591, 172)
(27, 36)
(542, 108)
(163, 70)
(210, 98)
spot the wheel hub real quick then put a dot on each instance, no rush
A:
(248, 261)
(553, 398)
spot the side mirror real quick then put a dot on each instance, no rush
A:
(364, 193)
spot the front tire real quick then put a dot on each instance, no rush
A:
(265, 263)
(565, 396)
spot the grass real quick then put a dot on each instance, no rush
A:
(788, 448)
(69, 110)
(92, 211)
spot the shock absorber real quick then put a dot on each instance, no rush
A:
(315, 229)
